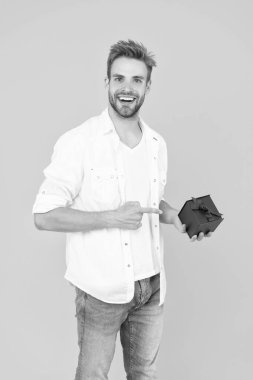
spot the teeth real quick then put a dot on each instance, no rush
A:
(126, 98)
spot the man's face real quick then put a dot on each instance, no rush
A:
(128, 86)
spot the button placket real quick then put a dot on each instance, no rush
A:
(155, 197)
(121, 176)
(121, 180)
(126, 250)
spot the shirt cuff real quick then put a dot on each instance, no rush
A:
(47, 203)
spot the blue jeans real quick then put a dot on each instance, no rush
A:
(140, 323)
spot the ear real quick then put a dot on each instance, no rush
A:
(148, 85)
(106, 80)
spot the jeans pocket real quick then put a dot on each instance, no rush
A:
(155, 282)
(80, 301)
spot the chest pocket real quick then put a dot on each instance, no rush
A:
(105, 187)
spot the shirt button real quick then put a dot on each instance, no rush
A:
(126, 243)
(155, 225)
(154, 204)
(157, 247)
(128, 265)
(154, 180)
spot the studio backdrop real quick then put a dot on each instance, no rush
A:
(53, 64)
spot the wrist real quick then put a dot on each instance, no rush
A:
(169, 216)
(108, 218)
(173, 215)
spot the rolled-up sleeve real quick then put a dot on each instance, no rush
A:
(63, 176)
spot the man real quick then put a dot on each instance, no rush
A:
(104, 187)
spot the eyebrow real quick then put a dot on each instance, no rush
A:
(138, 77)
(122, 76)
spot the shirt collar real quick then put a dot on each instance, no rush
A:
(108, 126)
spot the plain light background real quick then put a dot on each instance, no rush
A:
(53, 63)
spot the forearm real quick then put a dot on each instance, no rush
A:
(63, 219)
(169, 213)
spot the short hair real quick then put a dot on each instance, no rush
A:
(130, 49)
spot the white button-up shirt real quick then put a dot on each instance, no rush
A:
(87, 173)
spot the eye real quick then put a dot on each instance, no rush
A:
(118, 79)
(137, 80)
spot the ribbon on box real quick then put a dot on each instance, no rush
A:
(200, 205)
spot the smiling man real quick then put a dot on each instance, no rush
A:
(104, 187)
(126, 97)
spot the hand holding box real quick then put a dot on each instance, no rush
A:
(200, 215)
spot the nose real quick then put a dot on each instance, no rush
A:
(127, 87)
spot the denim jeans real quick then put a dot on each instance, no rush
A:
(140, 323)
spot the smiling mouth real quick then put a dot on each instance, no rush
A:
(126, 99)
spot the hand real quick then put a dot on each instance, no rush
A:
(129, 215)
(200, 236)
(182, 228)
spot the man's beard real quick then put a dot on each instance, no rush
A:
(125, 110)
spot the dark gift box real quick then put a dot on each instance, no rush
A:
(200, 215)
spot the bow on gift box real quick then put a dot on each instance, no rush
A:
(200, 205)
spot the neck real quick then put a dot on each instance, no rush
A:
(124, 126)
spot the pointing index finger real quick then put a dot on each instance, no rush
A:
(151, 210)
